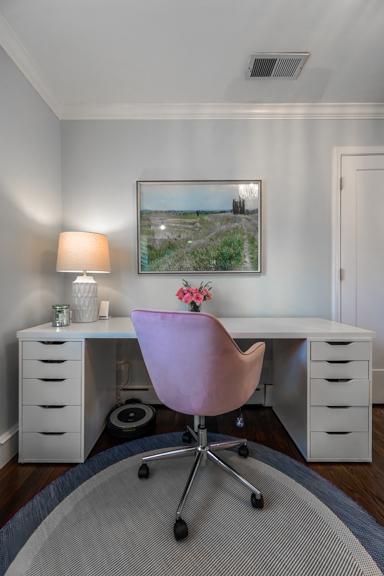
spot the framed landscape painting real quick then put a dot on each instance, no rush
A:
(199, 226)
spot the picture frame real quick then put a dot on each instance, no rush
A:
(199, 226)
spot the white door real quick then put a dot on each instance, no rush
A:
(362, 253)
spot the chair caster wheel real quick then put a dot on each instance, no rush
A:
(243, 451)
(257, 502)
(180, 529)
(143, 471)
(187, 437)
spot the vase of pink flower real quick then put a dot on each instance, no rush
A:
(194, 296)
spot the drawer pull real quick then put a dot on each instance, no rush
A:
(52, 342)
(338, 407)
(338, 433)
(341, 380)
(53, 361)
(52, 406)
(52, 379)
(339, 343)
(52, 433)
(338, 361)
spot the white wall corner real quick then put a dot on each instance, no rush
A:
(24, 61)
(8, 444)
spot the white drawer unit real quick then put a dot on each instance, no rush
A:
(340, 447)
(52, 350)
(64, 391)
(339, 392)
(51, 418)
(51, 447)
(339, 410)
(51, 410)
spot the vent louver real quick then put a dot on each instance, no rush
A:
(277, 65)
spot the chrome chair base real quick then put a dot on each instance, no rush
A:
(202, 451)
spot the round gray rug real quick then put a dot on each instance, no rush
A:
(116, 524)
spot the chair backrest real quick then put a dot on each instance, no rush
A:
(194, 365)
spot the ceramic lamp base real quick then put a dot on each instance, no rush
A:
(84, 300)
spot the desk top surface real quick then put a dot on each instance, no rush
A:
(250, 327)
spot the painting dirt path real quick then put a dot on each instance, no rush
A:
(247, 264)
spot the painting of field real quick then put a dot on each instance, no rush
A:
(199, 227)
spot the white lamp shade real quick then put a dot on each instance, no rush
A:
(83, 252)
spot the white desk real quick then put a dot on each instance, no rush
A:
(321, 375)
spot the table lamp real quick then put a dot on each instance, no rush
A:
(83, 252)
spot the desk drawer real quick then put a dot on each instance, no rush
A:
(52, 369)
(51, 391)
(51, 419)
(351, 446)
(50, 447)
(340, 350)
(334, 369)
(52, 350)
(339, 392)
(350, 419)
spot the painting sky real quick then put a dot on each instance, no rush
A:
(194, 196)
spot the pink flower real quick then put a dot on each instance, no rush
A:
(180, 293)
(187, 298)
(206, 293)
(198, 298)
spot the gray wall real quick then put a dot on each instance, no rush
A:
(101, 160)
(30, 217)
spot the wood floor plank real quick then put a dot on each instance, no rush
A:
(362, 482)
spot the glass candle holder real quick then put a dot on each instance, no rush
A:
(60, 315)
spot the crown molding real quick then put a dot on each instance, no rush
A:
(23, 60)
(221, 111)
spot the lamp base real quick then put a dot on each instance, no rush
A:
(84, 299)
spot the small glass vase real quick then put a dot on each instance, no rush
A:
(193, 307)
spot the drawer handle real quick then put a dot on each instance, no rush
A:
(52, 342)
(53, 361)
(52, 433)
(339, 343)
(338, 407)
(49, 406)
(341, 380)
(52, 379)
(339, 361)
(339, 433)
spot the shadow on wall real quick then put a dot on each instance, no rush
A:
(29, 287)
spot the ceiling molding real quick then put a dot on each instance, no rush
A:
(20, 56)
(149, 111)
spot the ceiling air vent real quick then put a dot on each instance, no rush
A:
(277, 64)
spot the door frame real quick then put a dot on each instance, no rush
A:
(339, 152)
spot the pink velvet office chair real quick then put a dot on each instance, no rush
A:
(196, 368)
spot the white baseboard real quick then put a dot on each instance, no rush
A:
(8, 444)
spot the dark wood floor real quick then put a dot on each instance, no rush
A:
(362, 482)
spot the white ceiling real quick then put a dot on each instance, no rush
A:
(87, 53)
